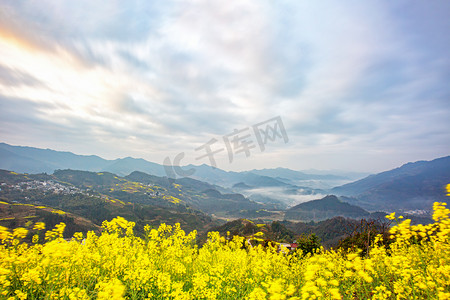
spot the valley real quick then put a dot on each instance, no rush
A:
(83, 199)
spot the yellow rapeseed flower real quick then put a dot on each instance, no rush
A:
(391, 216)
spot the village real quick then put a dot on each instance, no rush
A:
(48, 186)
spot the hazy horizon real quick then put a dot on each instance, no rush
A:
(311, 171)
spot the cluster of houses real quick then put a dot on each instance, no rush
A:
(252, 242)
(291, 246)
(43, 186)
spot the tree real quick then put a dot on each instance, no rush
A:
(309, 244)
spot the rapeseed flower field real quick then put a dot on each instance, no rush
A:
(167, 264)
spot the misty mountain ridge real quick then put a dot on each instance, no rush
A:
(25, 159)
(326, 208)
(295, 175)
(413, 186)
(410, 187)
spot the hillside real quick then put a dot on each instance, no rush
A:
(139, 196)
(97, 197)
(274, 231)
(203, 196)
(412, 186)
(14, 214)
(325, 208)
(276, 190)
(330, 231)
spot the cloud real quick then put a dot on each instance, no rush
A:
(152, 80)
(13, 77)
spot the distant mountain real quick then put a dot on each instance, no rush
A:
(339, 173)
(228, 179)
(315, 179)
(325, 208)
(295, 175)
(34, 160)
(279, 177)
(125, 166)
(260, 180)
(242, 186)
(410, 187)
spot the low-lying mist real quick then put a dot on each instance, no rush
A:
(289, 197)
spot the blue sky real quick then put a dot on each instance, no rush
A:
(359, 85)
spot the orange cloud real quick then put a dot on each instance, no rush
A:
(9, 37)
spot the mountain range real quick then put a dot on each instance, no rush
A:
(35, 160)
(282, 190)
(325, 208)
(83, 191)
(411, 188)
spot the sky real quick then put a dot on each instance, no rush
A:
(356, 85)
